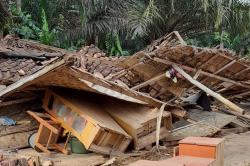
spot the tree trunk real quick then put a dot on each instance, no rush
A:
(19, 5)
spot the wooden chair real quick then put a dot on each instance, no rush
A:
(48, 133)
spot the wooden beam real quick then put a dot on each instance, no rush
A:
(122, 72)
(144, 84)
(18, 101)
(247, 117)
(242, 71)
(180, 38)
(209, 60)
(43, 122)
(241, 94)
(179, 113)
(228, 103)
(197, 74)
(202, 72)
(218, 71)
(226, 66)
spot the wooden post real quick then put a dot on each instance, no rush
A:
(228, 103)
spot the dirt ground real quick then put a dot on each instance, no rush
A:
(237, 153)
(237, 149)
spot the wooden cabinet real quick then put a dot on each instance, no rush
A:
(79, 114)
(203, 147)
(138, 120)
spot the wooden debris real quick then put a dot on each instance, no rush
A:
(179, 113)
(87, 121)
(225, 101)
(18, 101)
(238, 123)
(236, 130)
(109, 162)
(138, 120)
(207, 124)
(48, 134)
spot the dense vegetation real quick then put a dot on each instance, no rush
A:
(123, 27)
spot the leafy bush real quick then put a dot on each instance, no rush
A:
(22, 24)
(113, 45)
(46, 36)
(239, 43)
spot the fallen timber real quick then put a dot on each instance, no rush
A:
(228, 103)
(140, 79)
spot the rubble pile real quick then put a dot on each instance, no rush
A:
(116, 105)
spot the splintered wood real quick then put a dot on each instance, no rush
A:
(204, 124)
(124, 94)
(228, 103)
(139, 121)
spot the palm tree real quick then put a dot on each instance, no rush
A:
(4, 15)
(138, 22)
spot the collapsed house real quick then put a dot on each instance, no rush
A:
(127, 99)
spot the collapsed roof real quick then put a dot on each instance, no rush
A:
(19, 58)
(49, 66)
(140, 78)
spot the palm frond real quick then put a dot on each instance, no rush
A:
(4, 15)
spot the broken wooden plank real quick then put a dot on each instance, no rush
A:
(233, 130)
(246, 117)
(146, 83)
(239, 123)
(226, 66)
(179, 38)
(209, 60)
(197, 74)
(187, 68)
(207, 124)
(216, 119)
(198, 129)
(179, 113)
(18, 101)
(228, 103)
(239, 95)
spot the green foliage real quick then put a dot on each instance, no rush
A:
(138, 22)
(113, 45)
(4, 15)
(46, 36)
(22, 24)
(238, 43)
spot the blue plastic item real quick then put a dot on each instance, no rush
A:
(7, 121)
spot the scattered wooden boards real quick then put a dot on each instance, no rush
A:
(207, 124)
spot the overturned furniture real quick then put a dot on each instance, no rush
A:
(193, 151)
(86, 120)
(203, 147)
(48, 133)
(139, 121)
